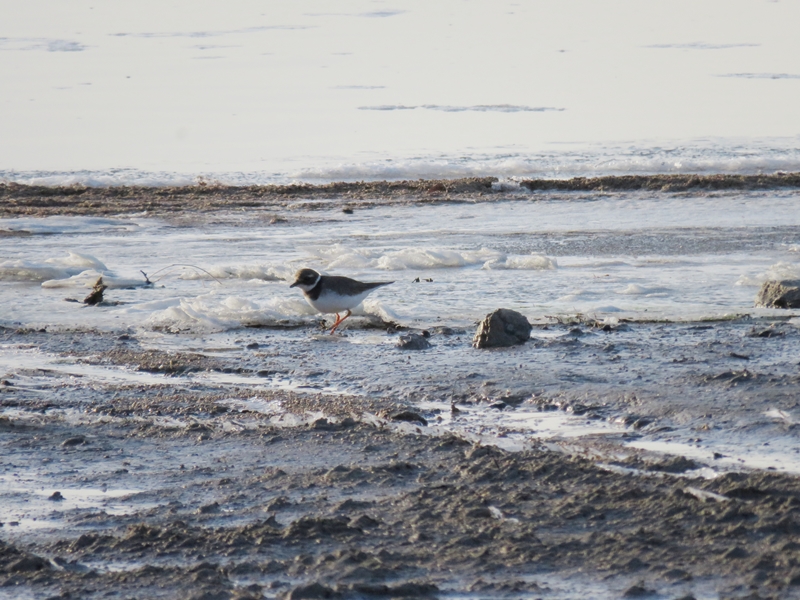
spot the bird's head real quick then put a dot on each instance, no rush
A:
(305, 279)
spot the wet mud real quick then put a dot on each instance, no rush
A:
(352, 509)
(213, 490)
(209, 197)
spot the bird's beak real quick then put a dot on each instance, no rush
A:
(294, 284)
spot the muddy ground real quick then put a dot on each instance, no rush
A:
(184, 488)
(209, 197)
(351, 497)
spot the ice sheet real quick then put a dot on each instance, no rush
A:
(106, 94)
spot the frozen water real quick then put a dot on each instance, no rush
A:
(249, 92)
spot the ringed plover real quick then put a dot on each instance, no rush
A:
(333, 294)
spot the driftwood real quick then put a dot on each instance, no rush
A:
(96, 295)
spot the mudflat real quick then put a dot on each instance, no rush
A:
(180, 490)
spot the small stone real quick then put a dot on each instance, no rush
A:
(677, 575)
(409, 417)
(677, 464)
(27, 564)
(364, 522)
(413, 341)
(637, 591)
(311, 592)
(56, 497)
(322, 424)
(209, 509)
(481, 512)
(503, 327)
(736, 552)
(78, 440)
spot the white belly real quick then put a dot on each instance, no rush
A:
(334, 303)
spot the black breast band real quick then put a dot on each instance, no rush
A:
(315, 291)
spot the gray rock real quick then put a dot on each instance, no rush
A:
(413, 341)
(27, 564)
(311, 592)
(78, 440)
(410, 417)
(779, 294)
(503, 327)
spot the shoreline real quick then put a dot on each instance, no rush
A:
(178, 466)
(207, 197)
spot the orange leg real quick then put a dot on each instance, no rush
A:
(339, 320)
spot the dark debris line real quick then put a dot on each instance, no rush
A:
(19, 199)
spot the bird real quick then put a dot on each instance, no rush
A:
(333, 294)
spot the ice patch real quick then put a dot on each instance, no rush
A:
(780, 415)
(371, 306)
(762, 75)
(533, 262)
(52, 268)
(49, 45)
(108, 178)
(414, 258)
(777, 272)
(702, 46)
(88, 279)
(209, 33)
(66, 225)
(245, 272)
(340, 257)
(503, 108)
(580, 294)
(410, 258)
(709, 157)
(634, 289)
(607, 309)
(381, 14)
(210, 313)
(255, 404)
